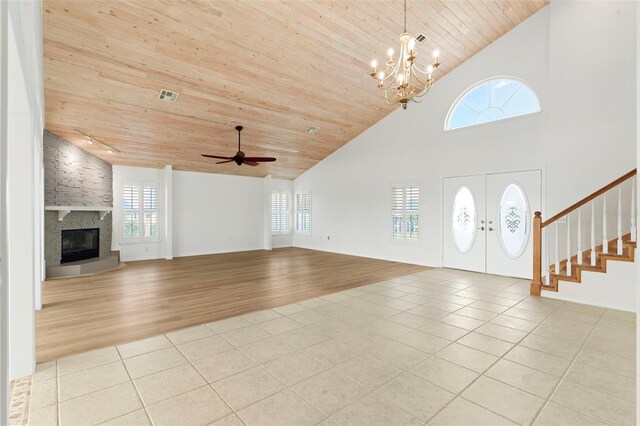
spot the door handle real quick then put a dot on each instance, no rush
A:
(481, 228)
(490, 229)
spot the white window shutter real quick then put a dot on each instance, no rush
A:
(280, 212)
(275, 212)
(405, 212)
(131, 211)
(140, 212)
(150, 205)
(303, 212)
(285, 212)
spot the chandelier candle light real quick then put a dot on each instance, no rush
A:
(402, 81)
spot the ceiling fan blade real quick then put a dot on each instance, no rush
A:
(226, 161)
(216, 156)
(250, 163)
(260, 159)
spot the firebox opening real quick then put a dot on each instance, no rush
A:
(80, 244)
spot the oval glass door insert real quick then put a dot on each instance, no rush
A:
(464, 220)
(514, 220)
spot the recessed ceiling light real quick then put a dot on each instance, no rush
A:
(110, 151)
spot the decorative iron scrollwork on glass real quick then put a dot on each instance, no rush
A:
(512, 219)
(464, 218)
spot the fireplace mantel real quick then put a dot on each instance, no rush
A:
(65, 210)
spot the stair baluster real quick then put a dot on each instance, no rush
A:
(633, 210)
(605, 242)
(568, 245)
(547, 279)
(593, 234)
(619, 214)
(557, 253)
(579, 254)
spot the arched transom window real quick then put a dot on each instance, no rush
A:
(492, 100)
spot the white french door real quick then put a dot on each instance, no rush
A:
(464, 223)
(487, 222)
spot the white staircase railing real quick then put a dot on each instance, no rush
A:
(569, 224)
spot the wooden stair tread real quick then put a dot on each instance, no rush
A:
(600, 266)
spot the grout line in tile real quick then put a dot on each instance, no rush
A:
(134, 387)
(459, 394)
(573, 361)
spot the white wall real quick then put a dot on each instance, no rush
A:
(578, 57)
(280, 240)
(636, 212)
(22, 196)
(4, 279)
(199, 213)
(215, 213)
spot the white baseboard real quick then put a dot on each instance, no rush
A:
(206, 252)
(137, 258)
(388, 259)
(282, 245)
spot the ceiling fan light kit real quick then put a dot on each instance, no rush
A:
(240, 157)
(401, 80)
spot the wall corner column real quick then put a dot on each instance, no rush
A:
(168, 209)
(267, 213)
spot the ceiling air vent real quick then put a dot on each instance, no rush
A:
(312, 130)
(168, 96)
(420, 38)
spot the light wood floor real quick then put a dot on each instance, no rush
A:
(148, 298)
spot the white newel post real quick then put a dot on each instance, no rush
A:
(593, 234)
(605, 243)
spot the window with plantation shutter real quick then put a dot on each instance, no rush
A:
(405, 212)
(150, 203)
(131, 211)
(140, 212)
(280, 212)
(303, 212)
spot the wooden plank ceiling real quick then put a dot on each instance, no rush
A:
(276, 67)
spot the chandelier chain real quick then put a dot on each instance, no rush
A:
(405, 16)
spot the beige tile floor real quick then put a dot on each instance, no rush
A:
(439, 347)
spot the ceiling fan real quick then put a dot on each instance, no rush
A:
(240, 158)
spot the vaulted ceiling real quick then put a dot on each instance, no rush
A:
(276, 67)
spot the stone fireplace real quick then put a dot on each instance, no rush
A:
(78, 198)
